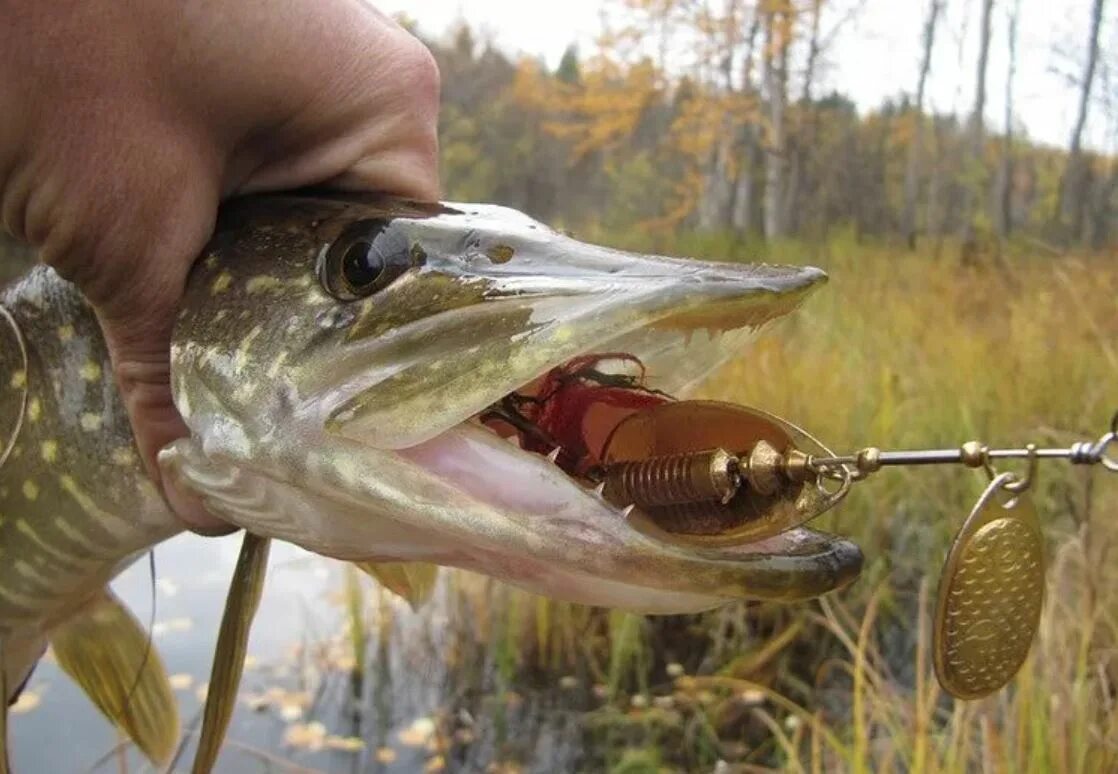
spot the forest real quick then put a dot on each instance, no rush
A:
(739, 136)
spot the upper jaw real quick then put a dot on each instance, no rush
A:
(516, 318)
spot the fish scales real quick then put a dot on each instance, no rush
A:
(75, 503)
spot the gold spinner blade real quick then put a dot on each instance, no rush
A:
(990, 594)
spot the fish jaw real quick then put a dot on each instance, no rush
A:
(351, 428)
(470, 500)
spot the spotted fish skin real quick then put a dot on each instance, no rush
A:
(75, 503)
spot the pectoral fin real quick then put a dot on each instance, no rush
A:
(108, 653)
(414, 581)
(232, 642)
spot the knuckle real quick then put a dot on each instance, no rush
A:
(420, 71)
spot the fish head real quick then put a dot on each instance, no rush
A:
(339, 358)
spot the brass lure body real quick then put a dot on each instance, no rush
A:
(991, 591)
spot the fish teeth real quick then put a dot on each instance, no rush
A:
(628, 510)
(554, 456)
(600, 489)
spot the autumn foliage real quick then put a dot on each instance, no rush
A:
(709, 116)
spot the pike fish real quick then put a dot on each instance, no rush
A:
(335, 359)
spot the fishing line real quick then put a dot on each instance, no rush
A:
(151, 635)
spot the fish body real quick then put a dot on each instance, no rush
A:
(76, 506)
(335, 358)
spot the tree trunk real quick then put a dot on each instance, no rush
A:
(1005, 175)
(749, 152)
(749, 142)
(1073, 185)
(777, 34)
(973, 170)
(803, 140)
(720, 180)
(916, 147)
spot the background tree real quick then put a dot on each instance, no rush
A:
(683, 118)
(916, 145)
(1074, 185)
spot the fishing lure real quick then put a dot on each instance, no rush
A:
(715, 472)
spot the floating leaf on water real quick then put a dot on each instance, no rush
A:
(181, 682)
(167, 586)
(344, 743)
(290, 711)
(663, 702)
(674, 669)
(438, 763)
(28, 700)
(601, 691)
(160, 628)
(257, 702)
(309, 736)
(639, 701)
(417, 734)
(385, 755)
(568, 682)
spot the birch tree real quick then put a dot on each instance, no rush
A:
(973, 169)
(1005, 173)
(916, 147)
(1073, 187)
(778, 35)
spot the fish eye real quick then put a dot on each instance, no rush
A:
(367, 256)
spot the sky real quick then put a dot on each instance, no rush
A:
(874, 55)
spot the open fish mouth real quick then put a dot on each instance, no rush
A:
(466, 413)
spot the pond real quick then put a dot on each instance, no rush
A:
(427, 701)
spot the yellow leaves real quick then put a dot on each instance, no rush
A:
(289, 705)
(161, 628)
(418, 733)
(181, 682)
(313, 737)
(602, 111)
(28, 700)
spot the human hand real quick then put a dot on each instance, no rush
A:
(125, 122)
